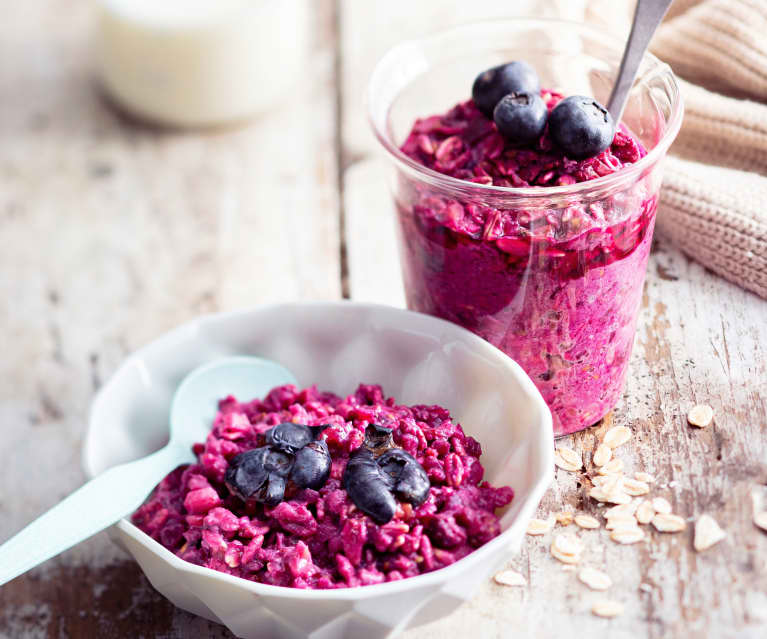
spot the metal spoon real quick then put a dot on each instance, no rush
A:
(118, 491)
(647, 18)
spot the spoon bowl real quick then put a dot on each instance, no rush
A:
(113, 494)
(195, 402)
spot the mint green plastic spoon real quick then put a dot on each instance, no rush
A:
(118, 491)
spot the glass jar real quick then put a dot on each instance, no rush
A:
(551, 275)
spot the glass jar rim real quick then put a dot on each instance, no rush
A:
(610, 182)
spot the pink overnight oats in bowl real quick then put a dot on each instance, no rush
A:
(283, 532)
(511, 230)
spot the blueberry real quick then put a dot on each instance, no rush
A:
(491, 85)
(372, 480)
(367, 488)
(275, 490)
(289, 437)
(581, 127)
(521, 117)
(311, 467)
(408, 479)
(378, 438)
(290, 453)
(259, 474)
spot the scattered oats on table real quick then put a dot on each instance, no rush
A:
(595, 579)
(540, 526)
(509, 578)
(602, 455)
(645, 512)
(661, 505)
(607, 608)
(613, 467)
(645, 477)
(616, 436)
(623, 510)
(700, 415)
(586, 521)
(707, 533)
(634, 487)
(622, 523)
(627, 535)
(564, 517)
(567, 548)
(567, 459)
(613, 497)
(668, 523)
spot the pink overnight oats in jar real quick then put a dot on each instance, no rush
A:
(285, 533)
(509, 229)
(558, 291)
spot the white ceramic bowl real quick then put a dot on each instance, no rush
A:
(417, 359)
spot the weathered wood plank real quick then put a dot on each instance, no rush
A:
(111, 233)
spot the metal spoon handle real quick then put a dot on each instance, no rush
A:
(97, 505)
(647, 18)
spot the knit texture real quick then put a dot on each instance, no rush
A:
(716, 215)
(714, 187)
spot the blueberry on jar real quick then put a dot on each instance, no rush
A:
(521, 118)
(581, 127)
(491, 85)
(378, 471)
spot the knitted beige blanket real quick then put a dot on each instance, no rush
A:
(714, 214)
(714, 197)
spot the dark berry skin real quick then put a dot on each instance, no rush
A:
(378, 471)
(581, 127)
(291, 453)
(491, 85)
(311, 467)
(521, 117)
(289, 437)
(259, 474)
(378, 439)
(408, 479)
(367, 488)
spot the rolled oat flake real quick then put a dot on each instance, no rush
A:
(607, 608)
(567, 459)
(668, 523)
(707, 533)
(617, 436)
(700, 416)
(586, 521)
(540, 526)
(595, 579)
(509, 578)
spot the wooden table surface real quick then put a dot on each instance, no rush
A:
(112, 232)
